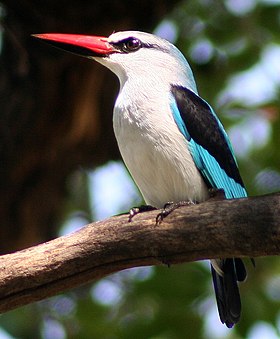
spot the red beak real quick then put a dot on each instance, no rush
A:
(85, 45)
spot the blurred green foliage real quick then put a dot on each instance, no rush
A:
(220, 39)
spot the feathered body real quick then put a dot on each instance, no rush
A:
(153, 148)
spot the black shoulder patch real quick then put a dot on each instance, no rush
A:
(204, 129)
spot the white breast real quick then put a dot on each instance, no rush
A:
(154, 150)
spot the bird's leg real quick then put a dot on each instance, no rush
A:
(136, 210)
(170, 207)
(216, 193)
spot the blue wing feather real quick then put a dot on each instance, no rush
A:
(211, 170)
(208, 165)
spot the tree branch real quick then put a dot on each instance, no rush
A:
(217, 228)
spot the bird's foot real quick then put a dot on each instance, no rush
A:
(216, 194)
(170, 207)
(136, 210)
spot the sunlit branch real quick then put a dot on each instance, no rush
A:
(217, 228)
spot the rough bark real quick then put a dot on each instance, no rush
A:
(247, 227)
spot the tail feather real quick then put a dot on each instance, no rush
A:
(226, 290)
(240, 269)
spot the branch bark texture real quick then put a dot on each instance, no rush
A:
(217, 228)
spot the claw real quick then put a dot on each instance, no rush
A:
(136, 210)
(170, 207)
(217, 193)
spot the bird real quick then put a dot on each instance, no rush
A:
(170, 139)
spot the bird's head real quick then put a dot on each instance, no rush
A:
(129, 54)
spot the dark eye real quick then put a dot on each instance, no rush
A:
(131, 45)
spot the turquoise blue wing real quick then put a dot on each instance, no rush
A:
(208, 142)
